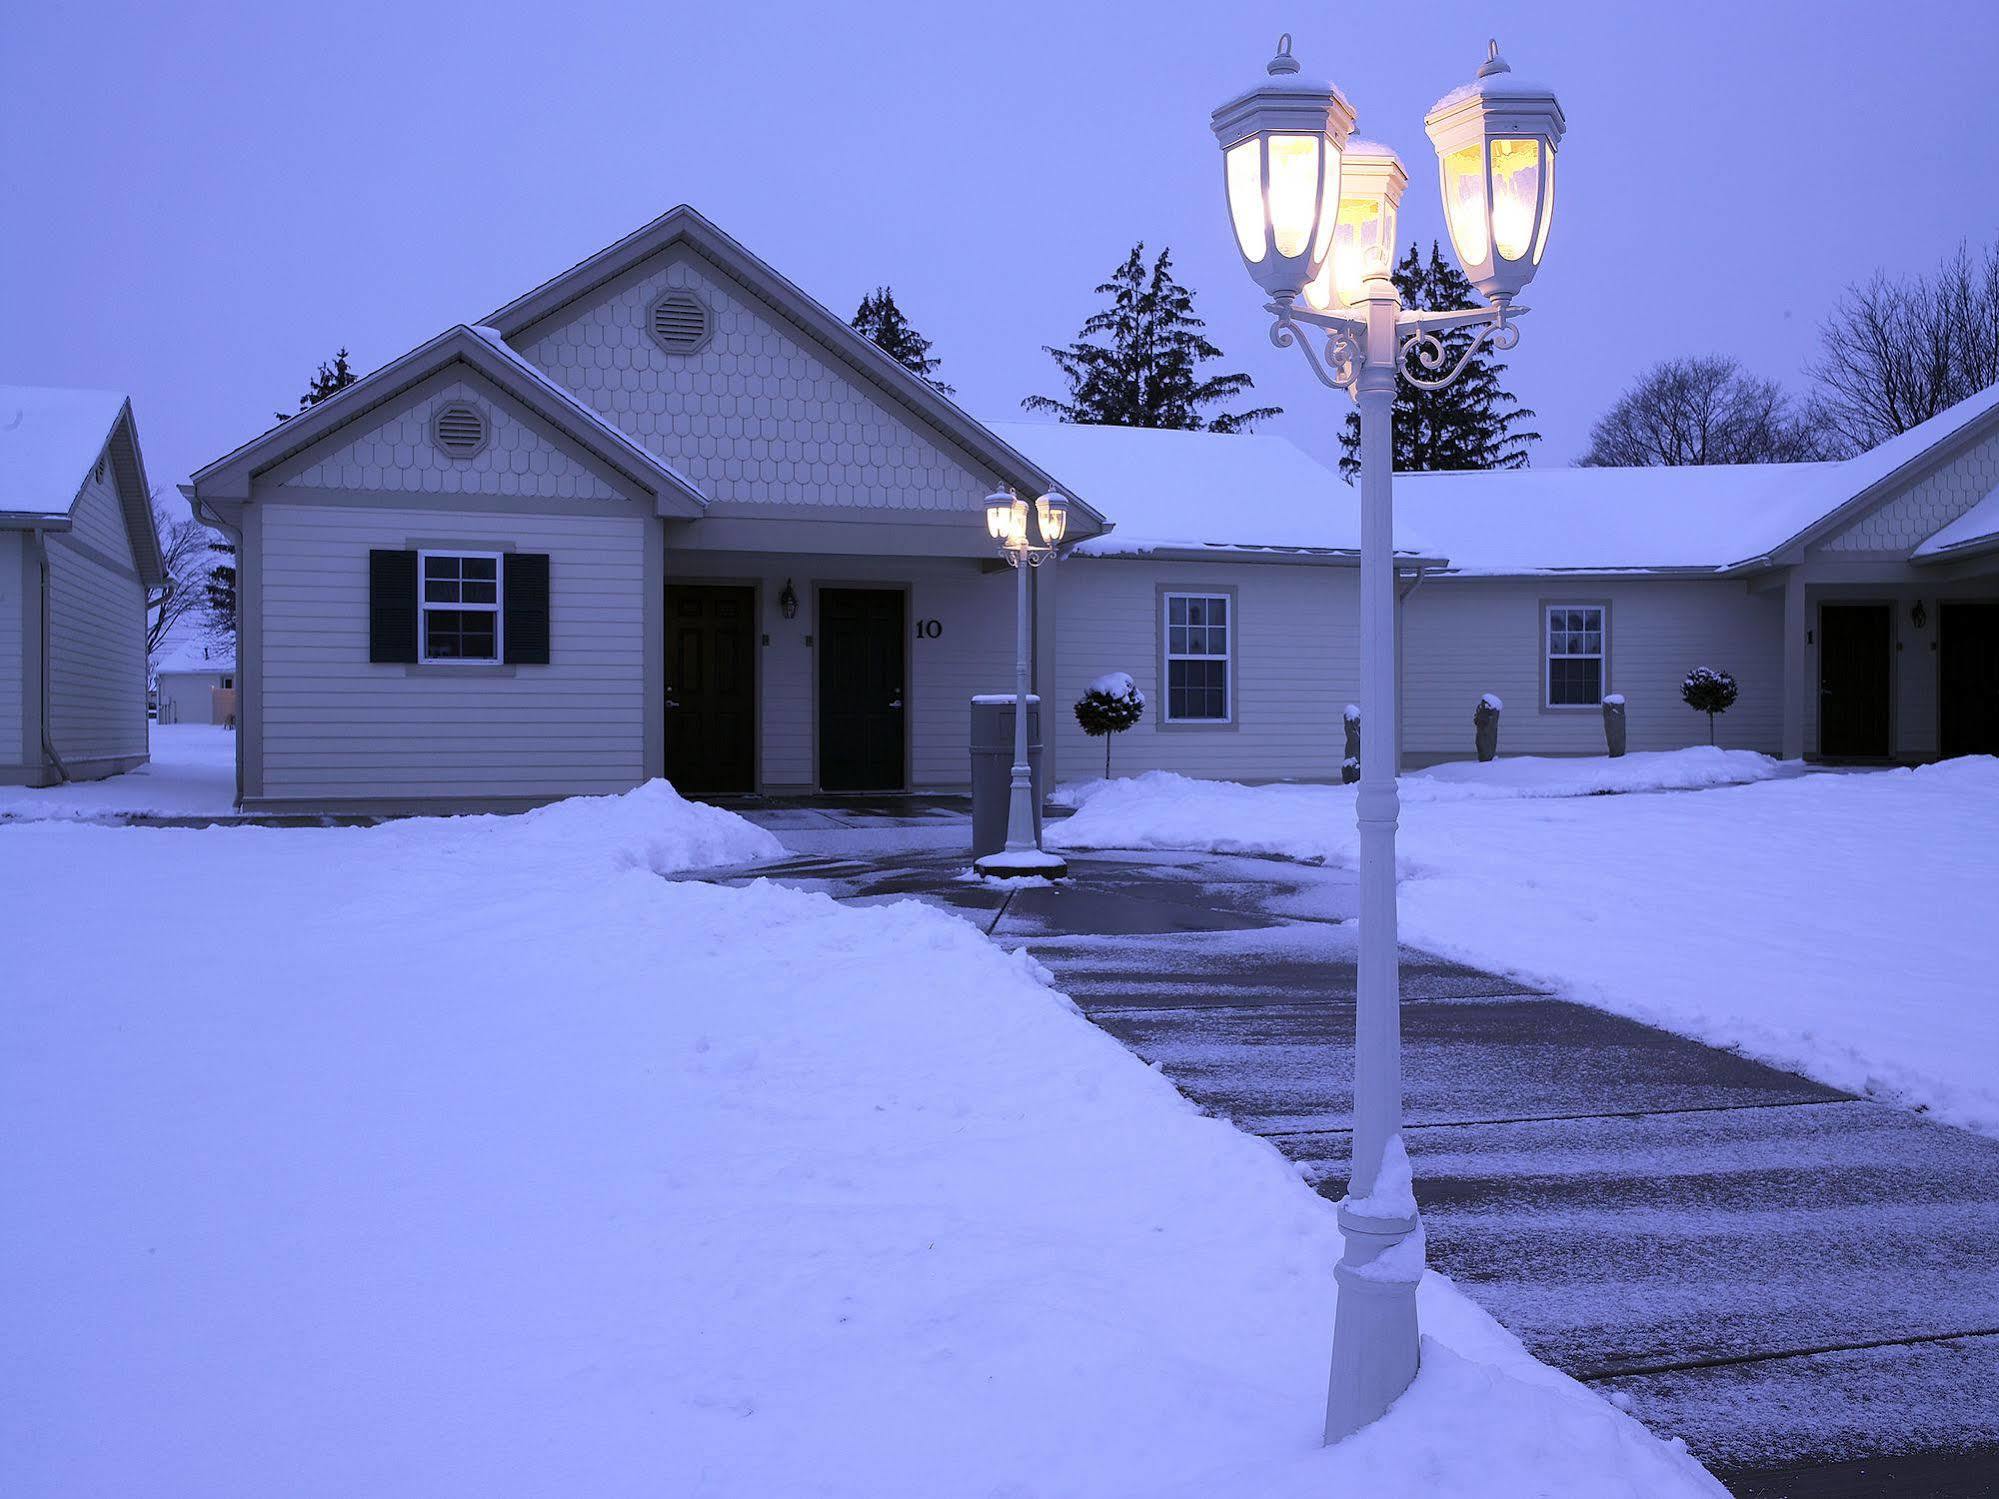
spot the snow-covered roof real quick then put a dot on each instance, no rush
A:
(1551, 519)
(196, 655)
(1205, 492)
(1975, 530)
(49, 440)
(1198, 491)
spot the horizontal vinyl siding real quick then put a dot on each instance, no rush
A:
(1464, 637)
(336, 726)
(97, 634)
(14, 669)
(1296, 667)
(974, 654)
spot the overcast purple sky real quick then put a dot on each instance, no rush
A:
(201, 205)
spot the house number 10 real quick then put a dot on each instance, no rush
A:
(929, 629)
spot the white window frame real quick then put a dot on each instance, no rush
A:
(1168, 655)
(1601, 655)
(496, 608)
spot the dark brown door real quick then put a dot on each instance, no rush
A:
(860, 690)
(1853, 681)
(711, 688)
(1968, 641)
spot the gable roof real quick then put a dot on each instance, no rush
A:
(1202, 493)
(1714, 518)
(228, 477)
(683, 225)
(50, 441)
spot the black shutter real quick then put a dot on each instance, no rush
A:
(392, 606)
(527, 608)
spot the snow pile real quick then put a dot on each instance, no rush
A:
(1829, 923)
(1163, 810)
(192, 773)
(466, 1156)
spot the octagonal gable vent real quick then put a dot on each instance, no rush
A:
(460, 429)
(679, 322)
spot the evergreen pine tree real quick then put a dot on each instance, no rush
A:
(1137, 362)
(882, 324)
(1474, 422)
(330, 380)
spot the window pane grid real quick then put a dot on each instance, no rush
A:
(460, 606)
(1197, 658)
(1575, 655)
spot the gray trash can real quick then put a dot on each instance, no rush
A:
(992, 767)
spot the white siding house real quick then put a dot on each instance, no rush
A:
(667, 515)
(77, 555)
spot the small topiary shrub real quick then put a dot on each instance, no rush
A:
(1109, 705)
(1708, 691)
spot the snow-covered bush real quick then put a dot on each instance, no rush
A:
(1708, 691)
(1350, 766)
(1109, 705)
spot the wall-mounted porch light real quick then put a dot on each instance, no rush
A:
(787, 602)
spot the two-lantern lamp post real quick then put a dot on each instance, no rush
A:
(1014, 526)
(1314, 212)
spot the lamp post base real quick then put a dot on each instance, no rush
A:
(1021, 863)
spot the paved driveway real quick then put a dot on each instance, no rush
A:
(1803, 1285)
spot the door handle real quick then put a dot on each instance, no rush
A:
(896, 704)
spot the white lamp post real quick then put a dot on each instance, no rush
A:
(1007, 521)
(1314, 213)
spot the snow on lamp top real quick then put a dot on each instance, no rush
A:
(1281, 147)
(1496, 139)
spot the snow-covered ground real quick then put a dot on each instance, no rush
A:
(1834, 923)
(468, 1156)
(192, 773)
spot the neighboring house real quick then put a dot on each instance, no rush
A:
(195, 683)
(77, 555)
(667, 515)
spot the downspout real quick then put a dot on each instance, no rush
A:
(1402, 593)
(41, 544)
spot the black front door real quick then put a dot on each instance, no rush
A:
(1853, 680)
(1968, 641)
(711, 688)
(860, 689)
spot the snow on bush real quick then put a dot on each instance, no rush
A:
(1110, 705)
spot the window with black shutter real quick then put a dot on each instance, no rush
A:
(526, 593)
(392, 606)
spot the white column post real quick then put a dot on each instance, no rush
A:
(1374, 1333)
(1020, 798)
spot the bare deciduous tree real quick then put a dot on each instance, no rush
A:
(1896, 352)
(1705, 410)
(184, 545)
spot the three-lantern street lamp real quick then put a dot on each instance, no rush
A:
(1314, 212)
(1008, 521)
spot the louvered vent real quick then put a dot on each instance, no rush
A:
(679, 322)
(460, 429)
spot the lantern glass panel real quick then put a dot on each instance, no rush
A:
(1516, 193)
(1054, 518)
(1016, 531)
(1294, 191)
(1245, 178)
(999, 517)
(1329, 194)
(1366, 231)
(1547, 210)
(1464, 204)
